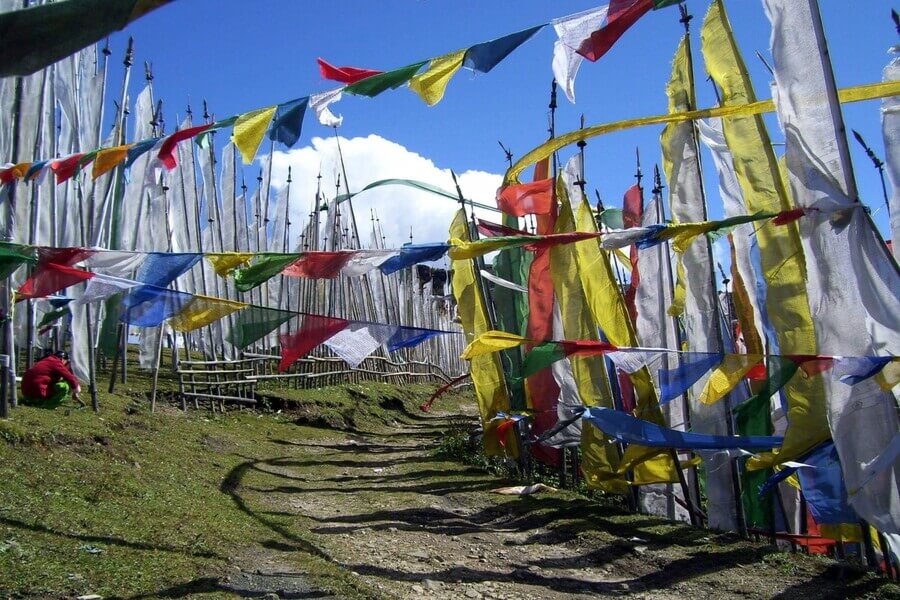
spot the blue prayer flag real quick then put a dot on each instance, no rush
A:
(823, 487)
(411, 254)
(138, 149)
(675, 382)
(407, 337)
(484, 56)
(150, 306)
(630, 430)
(288, 121)
(162, 268)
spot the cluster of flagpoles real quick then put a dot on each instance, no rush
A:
(702, 395)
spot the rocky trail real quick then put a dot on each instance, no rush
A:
(411, 525)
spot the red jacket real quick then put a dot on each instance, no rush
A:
(39, 378)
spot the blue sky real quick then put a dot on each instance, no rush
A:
(242, 55)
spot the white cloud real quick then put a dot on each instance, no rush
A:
(399, 208)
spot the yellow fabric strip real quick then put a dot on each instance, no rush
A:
(599, 459)
(19, 170)
(491, 341)
(223, 263)
(465, 249)
(249, 130)
(431, 84)
(727, 375)
(679, 294)
(869, 91)
(203, 310)
(607, 309)
(784, 267)
(107, 159)
(487, 373)
(889, 376)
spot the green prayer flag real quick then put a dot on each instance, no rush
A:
(372, 86)
(52, 316)
(512, 312)
(541, 357)
(254, 323)
(752, 418)
(657, 4)
(612, 218)
(13, 256)
(264, 268)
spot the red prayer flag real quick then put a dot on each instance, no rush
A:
(757, 373)
(50, 278)
(556, 239)
(318, 265)
(65, 167)
(811, 364)
(788, 216)
(346, 75)
(168, 145)
(632, 215)
(63, 256)
(622, 15)
(535, 198)
(315, 330)
(586, 347)
(543, 390)
(489, 229)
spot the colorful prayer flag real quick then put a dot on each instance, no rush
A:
(431, 84)
(535, 198)
(249, 130)
(347, 75)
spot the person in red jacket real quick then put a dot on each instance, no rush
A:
(49, 382)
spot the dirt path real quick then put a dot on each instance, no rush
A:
(410, 525)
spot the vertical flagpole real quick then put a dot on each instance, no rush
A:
(32, 226)
(8, 376)
(115, 214)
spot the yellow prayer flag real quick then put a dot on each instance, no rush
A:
(431, 84)
(607, 308)
(490, 342)
(486, 370)
(463, 249)
(249, 130)
(203, 310)
(889, 376)
(781, 251)
(727, 375)
(18, 171)
(107, 159)
(599, 459)
(223, 263)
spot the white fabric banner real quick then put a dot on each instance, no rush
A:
(320, 104)
(654, 327)
(852, 282)
(701, 315)
(890, 129)
(572, 31)
(356, 342)
(100, 287)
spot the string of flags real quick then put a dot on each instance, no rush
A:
(727, 369)
(148, 305)
(587, 35)
(55, 266)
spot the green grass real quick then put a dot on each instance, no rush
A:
(127, 503)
